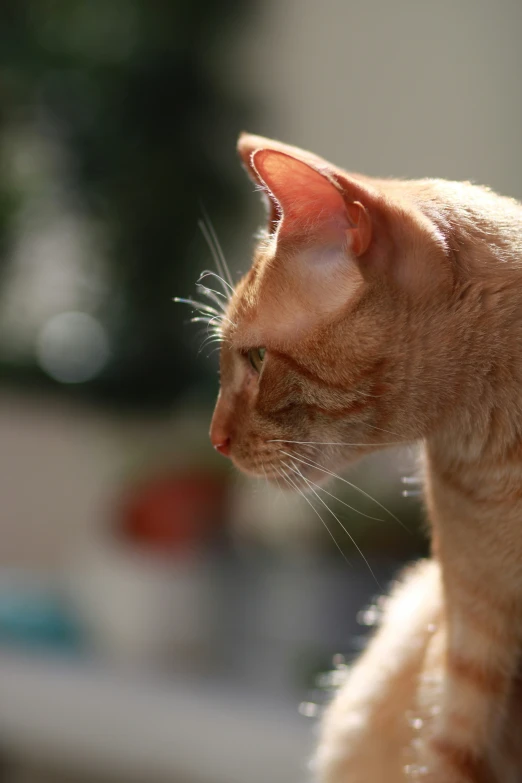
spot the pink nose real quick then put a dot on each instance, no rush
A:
(223, 446)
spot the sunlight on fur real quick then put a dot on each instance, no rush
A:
(376, 313)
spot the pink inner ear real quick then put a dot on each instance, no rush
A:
(310, 204)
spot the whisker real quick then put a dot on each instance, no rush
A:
(352, 508)
(227, 290)
(216, 297)
(213, 250)
(319, 498)
(203, 319)
(212, 330)
(206, 288)
(217, 245)
(278, 484)
(219, 318)
(195, 303)
(271, 494)
(290, 481)
(267, 480)
(208, 341)
(211, 339)
(328, 443)
(414, 484)
(212, 295)
(373, 427)
(312, 464)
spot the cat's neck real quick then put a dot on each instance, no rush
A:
(474, 460)
(474, 498)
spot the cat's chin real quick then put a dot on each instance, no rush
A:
(257, 469)
(296, 477)
(293, 472)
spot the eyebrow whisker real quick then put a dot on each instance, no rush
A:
(219, 257)
(214, 296)
(227, 291)
(199, 305)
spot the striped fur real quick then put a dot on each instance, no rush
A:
(402, 320)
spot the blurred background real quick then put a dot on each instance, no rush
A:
(161, 618)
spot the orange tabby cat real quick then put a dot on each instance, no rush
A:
(378, 309)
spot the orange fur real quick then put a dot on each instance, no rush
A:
(393, 307)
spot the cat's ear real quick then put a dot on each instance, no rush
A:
(249, 143)
(308, 201)
(316, 204)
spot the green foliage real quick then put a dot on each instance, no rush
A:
(132, 90)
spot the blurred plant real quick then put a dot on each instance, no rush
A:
(132, 93)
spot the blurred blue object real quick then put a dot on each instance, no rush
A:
(33, 615)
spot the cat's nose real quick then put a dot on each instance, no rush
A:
(223, 446)
(221, 427)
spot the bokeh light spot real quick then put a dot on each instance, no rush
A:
(72, 347)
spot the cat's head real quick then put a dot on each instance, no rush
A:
(336, 334)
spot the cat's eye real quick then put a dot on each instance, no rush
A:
(256, 357)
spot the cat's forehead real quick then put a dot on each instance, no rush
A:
(250, 311)
(286, 296)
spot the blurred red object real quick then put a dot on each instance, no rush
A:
(173, 512)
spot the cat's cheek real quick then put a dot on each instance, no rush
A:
(247, 397)
(251, 383)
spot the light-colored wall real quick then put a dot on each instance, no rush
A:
(407, 88)
(58, 468)
(64, 466)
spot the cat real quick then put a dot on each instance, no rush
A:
(386, 310)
